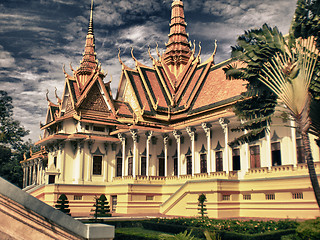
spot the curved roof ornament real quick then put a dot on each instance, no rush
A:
(47, 97)
(71, 68)
(211, 59)
(58, 99)
(215, 47)
(152, 58)
(133, 55)
(194, 46)
(158, 50)
(122, 64)
(199, 50)
(65, 73)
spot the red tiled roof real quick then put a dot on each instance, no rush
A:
(190, 87)
(217, 88)
(156, 87)
(139, 90)
(166, 79)
(123, 108)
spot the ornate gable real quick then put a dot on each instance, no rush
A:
(94, 101)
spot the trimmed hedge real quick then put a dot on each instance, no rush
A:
(137, 234)
(225, 235)
(276, 235)
(309, 230)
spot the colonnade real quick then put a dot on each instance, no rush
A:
(177, 136)
(33, 172)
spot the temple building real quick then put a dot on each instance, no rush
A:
(164, 139)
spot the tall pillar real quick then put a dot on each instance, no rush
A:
(105, 161)
(191, 132)
(24, 175)
(38, 172)
(294, 142)
(30, 173)
(135, 137)
(206, 127)
(224, 124)
(122, 138)
(87, 168)
(177, 135)
(149, 135)
(62, 160)
(165, 142)
(268, 148)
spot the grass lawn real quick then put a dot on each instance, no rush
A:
(141, 232)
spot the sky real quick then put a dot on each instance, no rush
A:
(39, 37)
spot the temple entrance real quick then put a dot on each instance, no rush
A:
(161, 166)
(143, 166)
(119, 167)
(189, 165)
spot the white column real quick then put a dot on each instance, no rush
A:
(135, 137)
(268, 148)
(82, 161)
(177, 135)
(165, 142)
(24, 175)
(62, 160)
(30, 173)
(122, 138)
(191, 131)
(294, 142)
(224, 124)
(149, 135)
(34, 175)
(38, 172)
(105, 162)
(206, 127)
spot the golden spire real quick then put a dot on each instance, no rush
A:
(178, 50)
(89, 63)
(90, 29)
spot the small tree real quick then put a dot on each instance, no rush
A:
(101, 207)
(63, 204)
(202, 207)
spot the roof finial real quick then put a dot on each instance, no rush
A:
(90, 30)
(58, 99)
(158, 51)
(47, 97)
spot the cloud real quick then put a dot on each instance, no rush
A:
(6, 59)
(38, 37)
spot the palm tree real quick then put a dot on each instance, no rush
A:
(289, 75)
(278, 72)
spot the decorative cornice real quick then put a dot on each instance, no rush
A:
(177, 134)
(206, 127)
(135, 136)
(191, 131)
(224, 123)
(165, 138)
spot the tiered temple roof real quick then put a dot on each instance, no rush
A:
(177, 88)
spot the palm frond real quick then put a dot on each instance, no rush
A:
(291, 86)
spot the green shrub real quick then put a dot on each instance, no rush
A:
(138, 234)
(309, 230)
(63, 204)
(290, 237)
(180, 236)
(231, 225)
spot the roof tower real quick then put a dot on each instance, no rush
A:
(178, 50)
(89, 62)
